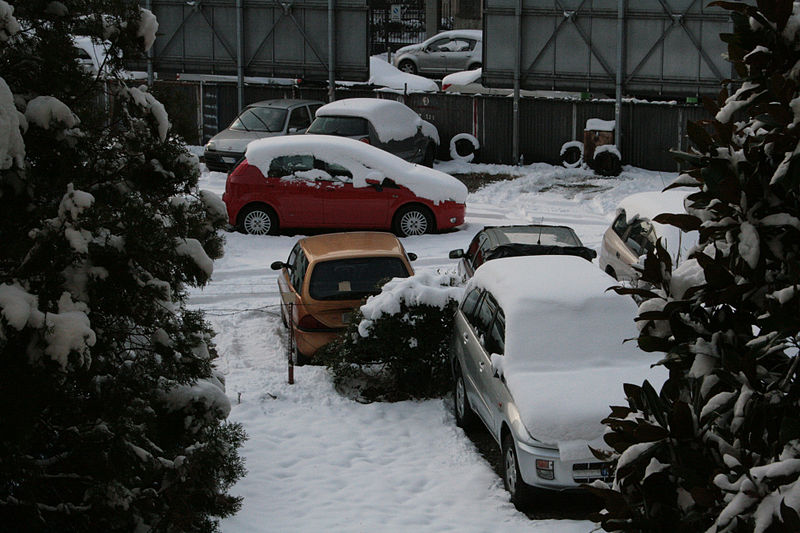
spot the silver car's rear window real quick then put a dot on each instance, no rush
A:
(260, 119)
(350, 279)
(342, 126)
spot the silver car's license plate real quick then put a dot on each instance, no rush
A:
(229, 160)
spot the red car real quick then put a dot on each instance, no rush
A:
(322, 181)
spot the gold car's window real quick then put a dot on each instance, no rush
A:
(299, 272)
(351, 279)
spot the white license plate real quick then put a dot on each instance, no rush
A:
(229, 160)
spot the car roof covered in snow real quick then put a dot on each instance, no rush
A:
(283, 103)
(391, 119)
(362, 160)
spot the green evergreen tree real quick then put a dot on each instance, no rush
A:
(112, 417)
(718, 449)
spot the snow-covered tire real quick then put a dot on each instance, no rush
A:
(607, 162)
(258, 220)
(464, 147)
(413, 220)
(572, 154)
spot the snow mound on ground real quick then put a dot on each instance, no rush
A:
(383, 74)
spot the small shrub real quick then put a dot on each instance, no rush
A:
(396, 347)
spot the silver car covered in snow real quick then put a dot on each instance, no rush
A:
(538, 356)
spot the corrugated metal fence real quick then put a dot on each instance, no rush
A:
(649, 130)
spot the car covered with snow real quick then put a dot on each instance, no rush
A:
(444, 53)
(268, 118)
(538, 356)
(327, 276)
(386, 124)
(323, 181)
(494, 242)
(633, 232)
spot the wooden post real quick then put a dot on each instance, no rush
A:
(290, 348)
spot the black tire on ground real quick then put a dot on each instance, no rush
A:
(474, 66)
(572, 157)
(258, 220)
(521, 493)
(607, 164)
(413, 220)
(430, 155)
(465, 416)
(407, 66)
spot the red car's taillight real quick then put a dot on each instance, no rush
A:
(364, 140)
(445, 86)
(309, 322)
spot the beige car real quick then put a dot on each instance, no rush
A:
(327, 276)
(633, 233)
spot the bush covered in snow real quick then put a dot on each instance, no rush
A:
(397, 344)
(718, 448)
(112, 417)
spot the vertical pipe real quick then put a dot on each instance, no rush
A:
(148, 6)
(517, 66)
(331, 54)
(240, 54)
(620, 56)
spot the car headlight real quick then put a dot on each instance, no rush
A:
(211, 146)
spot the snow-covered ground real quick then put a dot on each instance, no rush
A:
(317, 461)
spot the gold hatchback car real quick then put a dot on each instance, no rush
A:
(327, 276)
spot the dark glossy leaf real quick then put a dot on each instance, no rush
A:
(789, 516)
(647, 432)
(657, 408)
(681, 423)
(683, 222)
(633, 393)
(654, 344)
(790, 430)
(628, 291)
(699, 136)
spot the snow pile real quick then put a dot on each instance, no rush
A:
(192, 249)
(12, 147)
(464, 77)
(392, 120)
(47, 111)
(596, 124)
(383, 74)
(362, 161)
(8, 24)
(564, 356)
(210, 392)
(425, 288)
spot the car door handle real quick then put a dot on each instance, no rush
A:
(482, 365)
(465, 336)
(617, 254)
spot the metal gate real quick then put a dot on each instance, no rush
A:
(395, 23)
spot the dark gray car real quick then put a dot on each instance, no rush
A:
(268, 118)
(494, 242)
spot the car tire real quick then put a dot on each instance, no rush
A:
(474, 66)
(407, 66)
(258, 220)
(413, 220)
(611, 272)
(464, 147)
(572, 155)
(465, 416)
(430, 155)
(521, 493)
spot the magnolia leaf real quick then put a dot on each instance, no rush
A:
(657, 408)
(646, 432)
(681, 423)
(649, 343)
(683, 222)
(628, 291)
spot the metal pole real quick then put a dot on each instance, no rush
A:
(331, 54)
(517, 67)
(239, 54)
(290, 359)
(149, 54)
(620, 57)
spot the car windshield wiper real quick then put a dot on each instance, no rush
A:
(264, 123)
